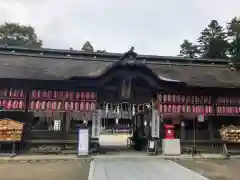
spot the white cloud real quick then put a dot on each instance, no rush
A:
(153, 27)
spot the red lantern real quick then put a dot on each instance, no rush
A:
(14, 104)
(174, 98)
(55, 94)
(32, 105)
(59, 105)
(66, 94)
(49, 105)
(5, 92)
(169, 98)
(165, 108)
(179, 108)
(81, 106)
(160, 108)
(9, 104)
(82, 95)
(236, 110)
(78, 95)
(38, 105)
(43, 105)
(21, 94)
(10, 92)
(66, 106)
(173, 108)
(54, 105)
(38, 95)
(87, 106)
(15, 93)
(164, 98)
(88, 95)
(93, 96)
(71, 106)
(76, 106)
(93, 106)
(49, 94)
(71, 95)
(61, 94)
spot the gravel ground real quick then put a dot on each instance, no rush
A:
(214, 169)
(59, 170)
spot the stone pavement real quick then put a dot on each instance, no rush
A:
(114, 156)
(139, 169)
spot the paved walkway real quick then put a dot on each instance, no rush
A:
(111, 156)
(139, 169)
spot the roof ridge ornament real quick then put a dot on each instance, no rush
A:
(129, 54)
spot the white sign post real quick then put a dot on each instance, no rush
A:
(83, 142)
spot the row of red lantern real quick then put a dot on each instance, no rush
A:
(163, 108)
(62, 106)
(228, 100)
(228, 110)
(49, 94)
(19, 93)
(12, 104)
(172, 98)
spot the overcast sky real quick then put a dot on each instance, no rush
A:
(152, 26)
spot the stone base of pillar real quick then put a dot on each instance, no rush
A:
(94, 145)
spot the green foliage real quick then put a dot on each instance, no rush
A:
(215, 41)
(19, 35)
(188, 49)
(87, 47)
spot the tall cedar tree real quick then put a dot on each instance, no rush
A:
(213, 41)
(19, 35)
(188, 49)
(233, 28)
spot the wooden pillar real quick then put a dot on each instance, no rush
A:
(210, 128)
(67, 123)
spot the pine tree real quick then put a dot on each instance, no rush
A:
(213, 41)
(188, 49)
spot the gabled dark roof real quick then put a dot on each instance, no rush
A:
(49, 64)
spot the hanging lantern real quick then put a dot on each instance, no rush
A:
(81, 106)
(76, 106)
(164, 98)
(43, 105)
(71, 106)
(61, 95)
(59, 105)
(88, 95)
(38, 94)
(15, 93)
(81, 95)
(38, 105)
(87, 106)
(9, 104)
(54, 94)
(169, 109)
(71, 95)
(49, 105)
(93, 106)
(78, 95)
(66, 106)
(54, 104)
(32, 105)
(11, 92)
(5, 92)
(14, 104)
(160, 108)
(164, 108)
(174, 98)
(93, 96)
